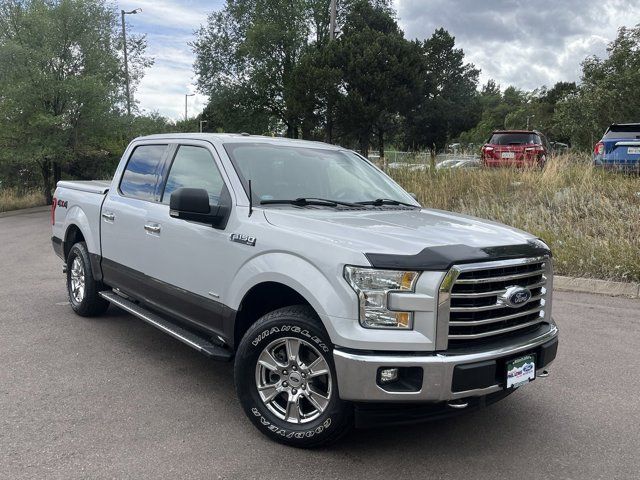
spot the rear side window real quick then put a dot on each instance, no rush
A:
(629, 132)
(515, 139)
(194, 167)
(141, 173)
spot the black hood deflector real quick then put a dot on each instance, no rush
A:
(444, 257)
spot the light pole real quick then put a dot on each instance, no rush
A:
(186, 95)
(124, 49)
(528, 117)
(332, 20)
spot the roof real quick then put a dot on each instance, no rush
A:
(240, 138)
(514, 131)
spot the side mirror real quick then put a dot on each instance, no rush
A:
(193, 204)
(415, 197)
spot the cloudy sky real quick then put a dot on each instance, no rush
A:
(516, 42)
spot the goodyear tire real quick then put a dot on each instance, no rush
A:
(286, 381)
(81, 286)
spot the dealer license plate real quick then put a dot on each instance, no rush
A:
(508, 155)
(520, 371)
(633, 150)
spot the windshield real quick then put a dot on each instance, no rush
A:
(514, 139)
(286, 172)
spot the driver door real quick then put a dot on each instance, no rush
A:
(188, 258)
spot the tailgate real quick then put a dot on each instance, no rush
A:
(623, 151)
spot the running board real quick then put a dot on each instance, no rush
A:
(201, 344)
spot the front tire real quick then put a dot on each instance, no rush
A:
(286, 381)
(82, 288)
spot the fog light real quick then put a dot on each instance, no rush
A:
(388, 375)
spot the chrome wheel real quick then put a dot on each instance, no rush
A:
(77, 280)
(293, 380)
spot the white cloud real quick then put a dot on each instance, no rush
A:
(522, 43)
(187, 15)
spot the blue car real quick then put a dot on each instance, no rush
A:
(619, 148)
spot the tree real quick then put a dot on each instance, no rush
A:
(251, 48)
(607, 92)
(60, 82)
(380, 74)
(448, 103)
(227, 112)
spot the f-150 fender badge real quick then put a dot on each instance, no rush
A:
(244, 239)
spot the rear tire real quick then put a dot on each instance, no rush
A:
(286, 381)
(82, 288)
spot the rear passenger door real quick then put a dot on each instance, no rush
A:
(125, 257)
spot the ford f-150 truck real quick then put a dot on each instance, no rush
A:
(339, 298)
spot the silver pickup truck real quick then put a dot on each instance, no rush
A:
(339, 298)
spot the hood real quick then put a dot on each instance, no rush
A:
(391, 231)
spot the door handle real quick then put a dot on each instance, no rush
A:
(152, 228)
(108, 216)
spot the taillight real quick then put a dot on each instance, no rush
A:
(487, 150)
(53, 211)
(537, 148)
(599, 148)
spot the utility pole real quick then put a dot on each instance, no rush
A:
(186, 95)
(332, 36)
(124, 50)
(332, 20)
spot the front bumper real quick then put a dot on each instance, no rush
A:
(446, 375)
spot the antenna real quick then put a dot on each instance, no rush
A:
(250, 200)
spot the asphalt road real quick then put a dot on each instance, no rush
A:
(114, 398)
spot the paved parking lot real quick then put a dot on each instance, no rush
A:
(114, 398)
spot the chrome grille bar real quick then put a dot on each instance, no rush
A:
(465, 323)
(502, 278)
(494, 332)
(494, 292)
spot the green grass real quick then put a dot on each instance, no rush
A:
(589, 218)
(12, 200)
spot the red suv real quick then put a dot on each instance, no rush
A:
(515, 148)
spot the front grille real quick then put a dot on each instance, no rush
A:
(471, 298)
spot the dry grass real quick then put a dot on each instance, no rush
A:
(590, 218)
(11, 200)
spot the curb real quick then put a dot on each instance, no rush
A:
(591, 285)
(25, 211)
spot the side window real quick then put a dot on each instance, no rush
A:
(140, 175)
(194, 167)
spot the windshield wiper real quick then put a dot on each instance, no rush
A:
(386, 201)
(305, 201)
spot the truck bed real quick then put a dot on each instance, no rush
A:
(90, 186)
(79, 203)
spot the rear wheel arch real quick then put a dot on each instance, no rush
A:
(72, 236)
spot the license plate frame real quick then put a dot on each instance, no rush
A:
(508, 155)
(520, 370)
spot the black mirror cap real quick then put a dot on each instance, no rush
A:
(191, 200)
(193, 204)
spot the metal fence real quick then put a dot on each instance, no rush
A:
(394, 157)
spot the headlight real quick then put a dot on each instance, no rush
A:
(372, 287)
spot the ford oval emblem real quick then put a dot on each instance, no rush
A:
(515, 297)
